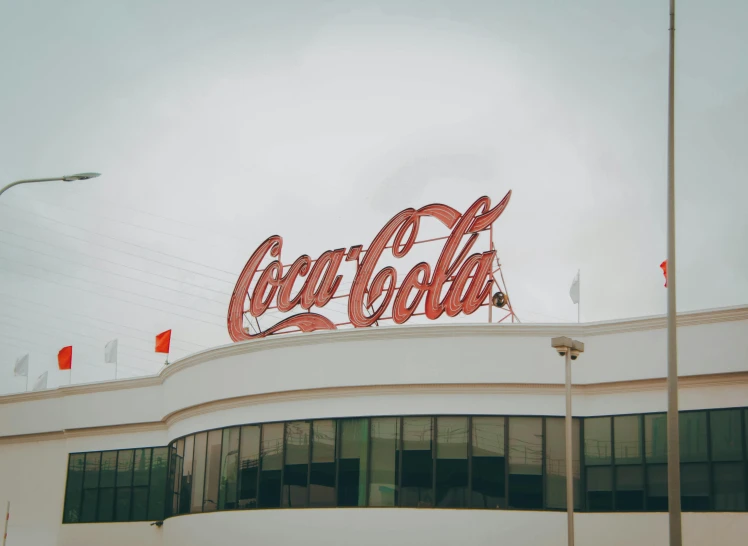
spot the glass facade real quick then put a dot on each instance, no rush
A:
(479, 462)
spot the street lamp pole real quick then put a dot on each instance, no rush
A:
(67, 178)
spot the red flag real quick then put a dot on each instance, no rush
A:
(163, 340)
(65, 358)
(663, 265)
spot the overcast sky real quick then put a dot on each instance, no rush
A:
(216, 124)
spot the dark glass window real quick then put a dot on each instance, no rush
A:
(74, 491)
(212, 471)
(123, 495)
(271, 465)
(597, 441)
(555, 462)
(729, 486)
(627, 434)
(692, 432)
(489, 463)
(694, 487)
(629, 488)
(198, 472)
(122, 504)
(107, 482)
(177, 468)
(525, 462)
(322, 476)
(90, 487)
(229, 469)
(599, 488)
(726, 435)
(185, 490)
(417, 460)
(657, 488)
(385, 461)
(249, 465)
(158, 484)
(296, 470)
(140, 483)
(655, 438)
(452, 462)
(353, 462)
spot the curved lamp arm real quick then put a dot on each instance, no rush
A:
(68, 178)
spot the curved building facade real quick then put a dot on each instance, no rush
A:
(396, 435)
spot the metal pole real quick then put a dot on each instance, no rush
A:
(579, 300)
(569, 455)
(30, 181)
(673, 442)
(7, 517)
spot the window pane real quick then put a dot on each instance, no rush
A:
(249, 462)
(106, 504)
(655, 438)
(452, 462)
(271, 465)
(139, 503)
(525, 462)
(694, 487)
(124, 467)
(175, 476)
(322, 478)
(385, 462)
(296, 471)
(91, 476)
(185, 489)
(108, 469)
(692, 429)
(727, 439)
(599, 488)
(729, 486)
(597, 444)
(212, 471)
(555, 462)
(88, 509)
(122, 506)
(629, 488)
(657, 488)
(417, 463)
(353, 462)
(158, 484)
(229, 469)
(141, 467)
(198, 472)
(74, 489)
(488, 463)
(627, 434)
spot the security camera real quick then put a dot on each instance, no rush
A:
(157, 523)
(565, 345)
(574, 354)
(562, 351)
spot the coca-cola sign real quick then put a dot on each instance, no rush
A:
(461, 281)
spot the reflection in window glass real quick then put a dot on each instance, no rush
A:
(176, 470)
(488, 462)
(140, 475)
(90, 485)
(627, 434)
(141, 466)
(726, 437)
(74, 490)
(249, 465)
(629, 488)
(185, 491)
(139, 503)
(555, 462)
(657, 488)
(729, 486)
(599, 488)
(655, 438)
(122, 504)
(124, 483)
(385, 437)
(107, 482)
(322, 476)
(229, 468)
(417, 461)
(296, 471)
(525, 462)
(353, 462)
(452, 462)
(597, 443)
(212, 471)
(694, 487)
(271, 465)
(158, 484)
(198, 472)
(693, 441)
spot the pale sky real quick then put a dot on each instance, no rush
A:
(216, 124)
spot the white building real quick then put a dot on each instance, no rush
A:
(437, 434)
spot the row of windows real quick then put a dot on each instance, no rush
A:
(418, 461)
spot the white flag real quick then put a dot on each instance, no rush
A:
(41, 383)
(110, 352)
(574, 290)
(22, 366)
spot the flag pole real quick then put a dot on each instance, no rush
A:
(7, 517)
(27, 381)
(579, 303)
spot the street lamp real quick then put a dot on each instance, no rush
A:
(571, 349)
(68, 178)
